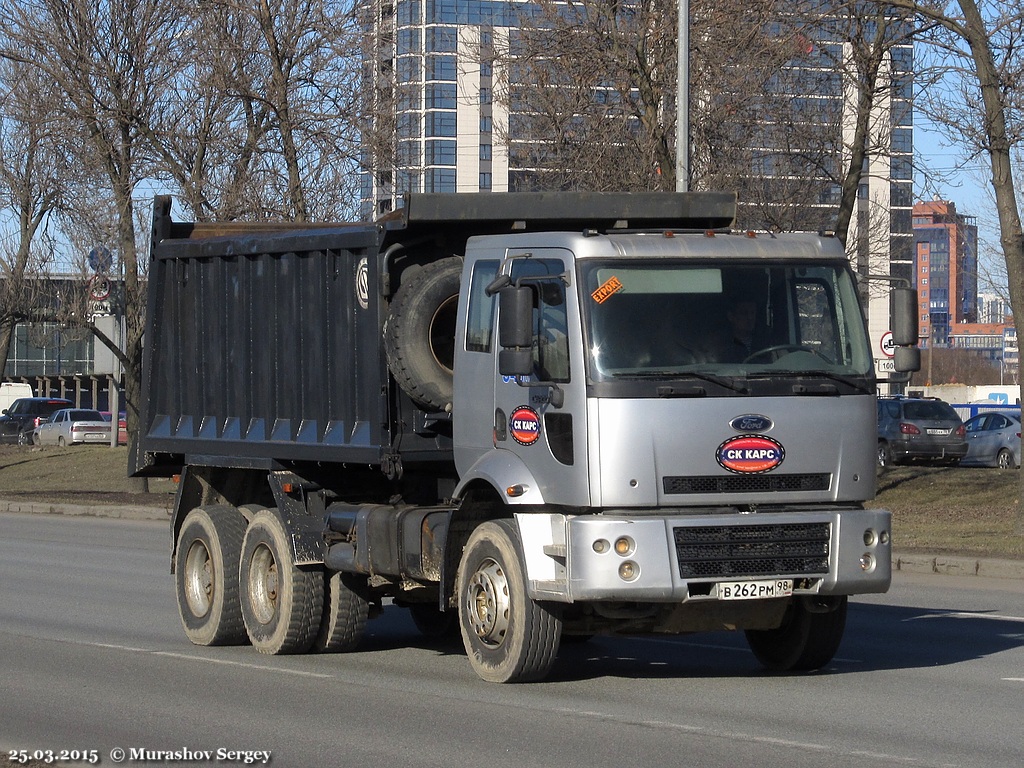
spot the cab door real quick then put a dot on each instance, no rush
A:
(502, 422)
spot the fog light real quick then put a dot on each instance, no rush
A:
(624, 546)
(601, 546)
(869, 538)
(867, 562)
(629, 570)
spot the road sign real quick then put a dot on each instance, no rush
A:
(886, 345)
(100, 259)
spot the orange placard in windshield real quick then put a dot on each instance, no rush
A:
(611, 286)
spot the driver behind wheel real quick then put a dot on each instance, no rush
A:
(740, 335)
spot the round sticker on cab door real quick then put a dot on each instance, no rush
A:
(524, 425)
(750, 454)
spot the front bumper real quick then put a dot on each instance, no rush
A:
(683, 558)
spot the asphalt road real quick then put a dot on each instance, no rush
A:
(93, 658)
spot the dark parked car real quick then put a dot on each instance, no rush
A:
(993, 440)
(24, 415)
(925, 429)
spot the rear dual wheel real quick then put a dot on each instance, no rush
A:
(292, 609)
(206, 575)
(282, 604)
(236, 582)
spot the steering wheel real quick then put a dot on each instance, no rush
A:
(784, 348)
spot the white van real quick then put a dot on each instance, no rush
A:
(9, 392)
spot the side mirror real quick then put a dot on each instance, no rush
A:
(904, 317)
(906, 359)
(515, 331)
(515, 317)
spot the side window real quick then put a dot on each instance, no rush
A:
(480, 324)
(551, 355)
(550, 317)
(817, 319)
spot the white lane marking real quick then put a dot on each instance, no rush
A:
(574, 713)
(190, 657)
(733, 648)
(247, 665)
(968, 615)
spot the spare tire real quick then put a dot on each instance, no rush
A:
(419, 337)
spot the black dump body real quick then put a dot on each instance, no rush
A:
(263, 344)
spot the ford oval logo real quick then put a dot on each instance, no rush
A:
(751, 422)
(750, 454)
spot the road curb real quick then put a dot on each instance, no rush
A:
(948, 565)
(120, 512)
(952, 565)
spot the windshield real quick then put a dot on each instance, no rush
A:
(685, 319)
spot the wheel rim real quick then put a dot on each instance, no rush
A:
(883, 456)
(263, 584)
(1004, 460)
(198, 579)
(442, 334)
(488, 602)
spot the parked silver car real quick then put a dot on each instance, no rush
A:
(993, 440)
(73, 425)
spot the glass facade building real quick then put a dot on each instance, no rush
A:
(430, 72)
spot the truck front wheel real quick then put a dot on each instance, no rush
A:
(282, 604)
(206, 575)
(509, 637)
(808, 638)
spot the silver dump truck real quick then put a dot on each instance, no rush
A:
(522, 417)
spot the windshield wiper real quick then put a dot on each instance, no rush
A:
(722, 381)
(801, 389)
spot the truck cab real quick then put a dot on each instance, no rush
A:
(631, 335)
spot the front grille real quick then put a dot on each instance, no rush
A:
(747, 483)
(725, 551)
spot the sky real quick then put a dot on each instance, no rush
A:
(965, 183)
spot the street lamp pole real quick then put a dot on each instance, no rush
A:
(683, 100)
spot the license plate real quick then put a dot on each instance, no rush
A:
(97, 434)
(754, 590)
(938, 431)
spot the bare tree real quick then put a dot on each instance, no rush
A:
(956, 366)
(31, 182)
(591, 92)
(260, 123)
(591, 95)
(108, 60)
(978, 45)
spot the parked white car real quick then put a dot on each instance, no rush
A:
(73, 425)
